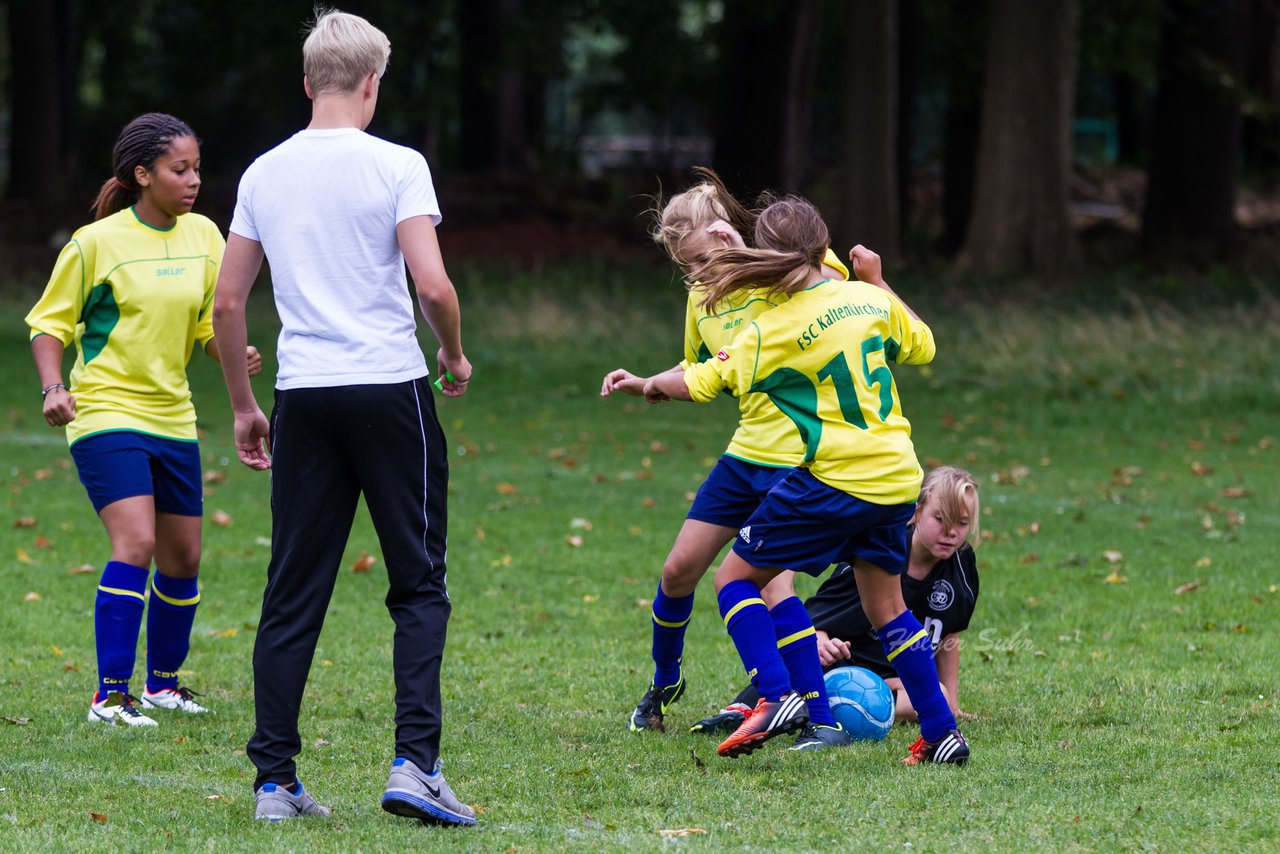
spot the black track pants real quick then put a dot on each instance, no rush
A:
(329, 446)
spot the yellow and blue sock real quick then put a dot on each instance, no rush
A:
(670, 619)
(117, 619)
(747, 620)
(170, 616)
(906, 645)
(798, 646)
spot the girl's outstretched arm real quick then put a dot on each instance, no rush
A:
(667, 386)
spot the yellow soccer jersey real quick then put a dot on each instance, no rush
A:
(764, 436)
(822, 360)
(134, 300)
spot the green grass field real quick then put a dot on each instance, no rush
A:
(1120, 667)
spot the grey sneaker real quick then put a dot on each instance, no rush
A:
(426, 797)
(276, 803)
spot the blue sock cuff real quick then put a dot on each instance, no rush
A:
(734, 598)
(902, 630)
(789, 617)
(672, 609)
(119, 575)
(175, 591)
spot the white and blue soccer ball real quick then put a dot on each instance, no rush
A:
(861, 702)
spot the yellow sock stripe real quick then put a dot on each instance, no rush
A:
(803, 633)
(920, 634)
(671, 625)
(193, 600)
(736, 608)
(119, 592)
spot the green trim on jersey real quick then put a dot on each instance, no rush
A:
(100, 316)
(743, 459)
(131, 430)
(133, 209)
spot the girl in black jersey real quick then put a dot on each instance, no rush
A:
(940, 587)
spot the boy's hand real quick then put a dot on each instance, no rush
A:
(254, 359)
(652, 393)
(459, 369)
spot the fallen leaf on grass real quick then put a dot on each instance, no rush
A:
(583, 524)
(16, 721)
(364, 563)
(1240, 628)
(225, 633)
(590, 597)
(1030, 557)
(31, 597)
(698, 763)
(507, 489)
(57, 650)
(42, 474)
(23, 557)
(42, 542)
(320, 742)
(180, 739)
(1200, 470)
(1113, 556)
(215, 476)
(1235, 492)
(1204, 562)
(1115, 578)
(98, 817)
(648, 502)
(214, 797)
(479, 534)
(25, 522)
(221, 518)
(1186, 588)
(683, 831)
(574, 540)
(82, 569)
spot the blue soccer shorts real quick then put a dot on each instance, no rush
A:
(124, 464)
(732, 492)
(805, 525)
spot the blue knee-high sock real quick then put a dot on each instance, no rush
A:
(798, 645)
(170, 615)
(747, 619)
(906, 645)
(670, 619)
(117, 618)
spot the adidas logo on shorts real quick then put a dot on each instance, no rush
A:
(744, 534)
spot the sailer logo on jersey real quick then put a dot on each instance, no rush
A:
(941, 596)
(722, 356)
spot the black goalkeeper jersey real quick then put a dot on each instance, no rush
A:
(943, 602)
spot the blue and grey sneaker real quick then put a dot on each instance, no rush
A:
(277, 803)
(426, 797)
(822, 736)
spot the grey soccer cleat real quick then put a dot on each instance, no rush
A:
(277, 803)
(426, 797)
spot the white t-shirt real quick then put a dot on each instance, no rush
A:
(325, 204)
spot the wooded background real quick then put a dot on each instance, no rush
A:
(992, 136)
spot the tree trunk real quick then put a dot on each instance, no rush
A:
(1262, 125)
(43, 56)
(797, 104)
(1190, 207)
(1020, 221)
(911, 37)
(870, 194)
(966, 35)
(749, 94)
(479, 31)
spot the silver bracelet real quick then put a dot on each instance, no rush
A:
(44, 392)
